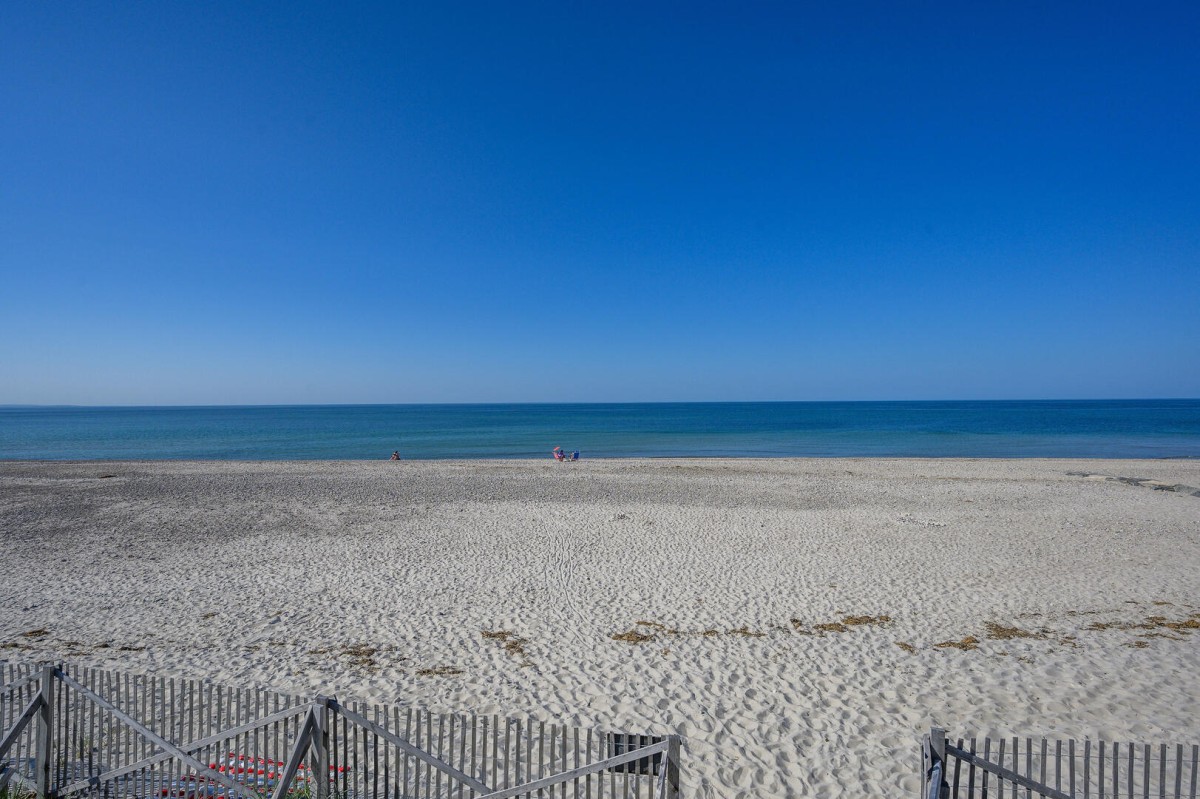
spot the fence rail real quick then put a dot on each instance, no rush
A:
(74, 731)
(971, 768)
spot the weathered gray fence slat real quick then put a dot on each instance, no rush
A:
(193, 731)
(1062, 776)
(123, 701)
(971, 774)
(562, 759)
(10, 693)
(93, 748)
(408, 725)
(391, 720)
(612, 778)
(375, 770)
(140, 712)
(574, 763)
(149, 718)
(356, 748)
(422, 769)
(1100, 772)
(552, 757)
(336, 761)
(29, 740)
(546, 751)
(112, 739)
(1087, 769)
(1162, 772)
(507, 758)
(241, 742)
(568, 748)
(463, 764)
(441, 728)
(1028, 766)
(60, 745)
(1129, 771)
(558, 751)
(1179, 771)
(476, 755)
(273, 742)
(27, 743)
(587, 750)
(1073, 770)
(349, 756)
(1147, 754)
(1116, 774)
(1042, 780)
(957, 768)
(173, 722)
(527, 761)
(1195, 763)
(1016, 761)
(999, 779)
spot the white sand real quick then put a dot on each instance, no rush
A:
(241, 570)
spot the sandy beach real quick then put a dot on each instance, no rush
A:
(792, 619)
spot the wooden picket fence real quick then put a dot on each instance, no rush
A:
(75, 731)
(1026, 767)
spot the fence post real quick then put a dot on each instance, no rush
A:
(926, 757)
(937, 739)
(934, 778)
(45, 728)
(320, 748)
(672, 767)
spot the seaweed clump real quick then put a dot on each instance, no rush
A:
(1002, 633)
(632, 637)
(513, 644)
(439, 671)
(968, 644)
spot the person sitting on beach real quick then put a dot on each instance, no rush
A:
(575, 455)
(396, 455)
(559, 455)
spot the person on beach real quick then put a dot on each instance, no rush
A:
(559, 455)
(575, 455)
(396, 455)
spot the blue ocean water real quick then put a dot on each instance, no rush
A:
(1002, 429)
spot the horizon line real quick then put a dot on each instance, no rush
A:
(51, 406)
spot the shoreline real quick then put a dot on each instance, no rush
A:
(607, 459)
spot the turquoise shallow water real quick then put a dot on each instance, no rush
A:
(1002, 429)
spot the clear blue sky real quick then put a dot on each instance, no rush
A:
(291, 203)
